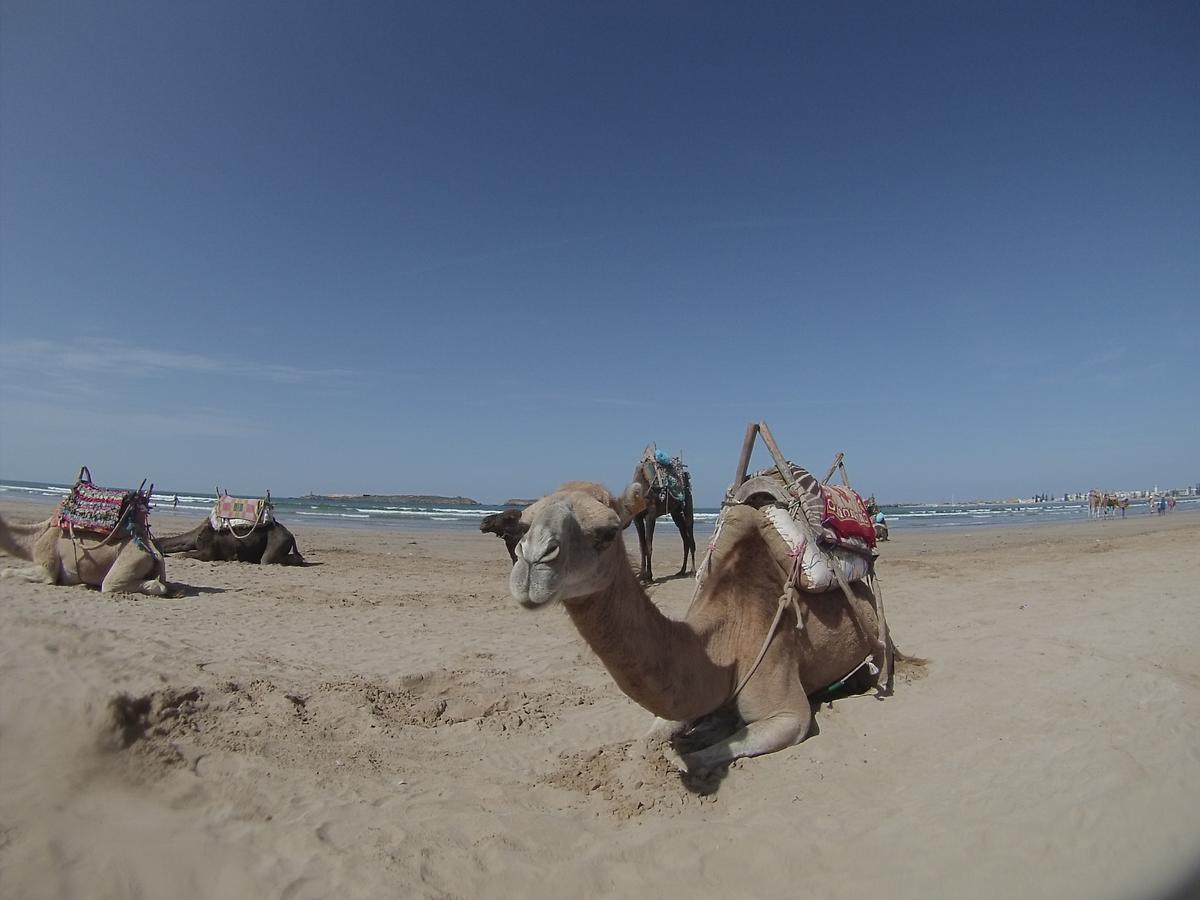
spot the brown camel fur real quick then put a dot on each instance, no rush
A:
(682, 670)
(120, 565)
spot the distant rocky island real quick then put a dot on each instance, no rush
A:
(409, 499)
(519, 501)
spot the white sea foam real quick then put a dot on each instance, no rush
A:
(22, 489)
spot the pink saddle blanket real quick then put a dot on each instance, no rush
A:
(235, 509)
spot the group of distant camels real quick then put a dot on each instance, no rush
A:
(751, 643)
(1102, 503)
(133, 560)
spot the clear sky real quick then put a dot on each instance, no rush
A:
(483, 248)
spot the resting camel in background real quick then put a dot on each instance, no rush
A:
(126, 563)
(266, 543)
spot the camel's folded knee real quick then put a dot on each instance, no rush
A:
(766, 735)
(153, 587)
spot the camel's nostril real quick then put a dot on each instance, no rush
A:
(551, 552)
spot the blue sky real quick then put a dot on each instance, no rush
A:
(484, 248)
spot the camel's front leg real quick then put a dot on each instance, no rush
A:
(689, 542)
(774, 706)
(648, 549)
(764, 736)
(639, 522)
(129, 573)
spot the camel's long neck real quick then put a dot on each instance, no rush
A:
(179, 543)
(660, 663)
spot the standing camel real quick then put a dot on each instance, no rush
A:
(660, 495)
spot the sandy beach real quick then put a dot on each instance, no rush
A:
(387, 722)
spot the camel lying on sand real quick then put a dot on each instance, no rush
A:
(683, 670)
(266, 543)
(127, 563)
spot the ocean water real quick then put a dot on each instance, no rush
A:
(366, 512)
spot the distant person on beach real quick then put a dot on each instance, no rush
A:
(175, 502)
(1162, 506)
(1171, 504)
(1123, 504)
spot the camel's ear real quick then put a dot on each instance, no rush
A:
(631, 502)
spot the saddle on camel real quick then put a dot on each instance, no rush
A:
(97, 536)
(821, 537)
(237, 530)
(240, 515)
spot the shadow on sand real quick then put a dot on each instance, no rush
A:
(192, 590)
(705, 732)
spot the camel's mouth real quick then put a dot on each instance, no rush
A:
(528, 587)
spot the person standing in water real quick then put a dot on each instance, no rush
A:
(175, 502)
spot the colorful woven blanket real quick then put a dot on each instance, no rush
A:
(241, 513)
(100, 510)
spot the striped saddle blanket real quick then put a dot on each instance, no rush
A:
(100, 510)
(236, 512)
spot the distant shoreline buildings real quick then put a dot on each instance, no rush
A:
(1192, 490)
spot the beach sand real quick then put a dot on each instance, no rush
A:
(388, 722)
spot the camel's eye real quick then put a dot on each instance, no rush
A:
(604, 535)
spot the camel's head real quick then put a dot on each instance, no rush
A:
(501, 523)
(572, 543)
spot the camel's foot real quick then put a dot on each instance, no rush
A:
(153, 587)
(32, 574)
(657, 742)
(764, 736)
